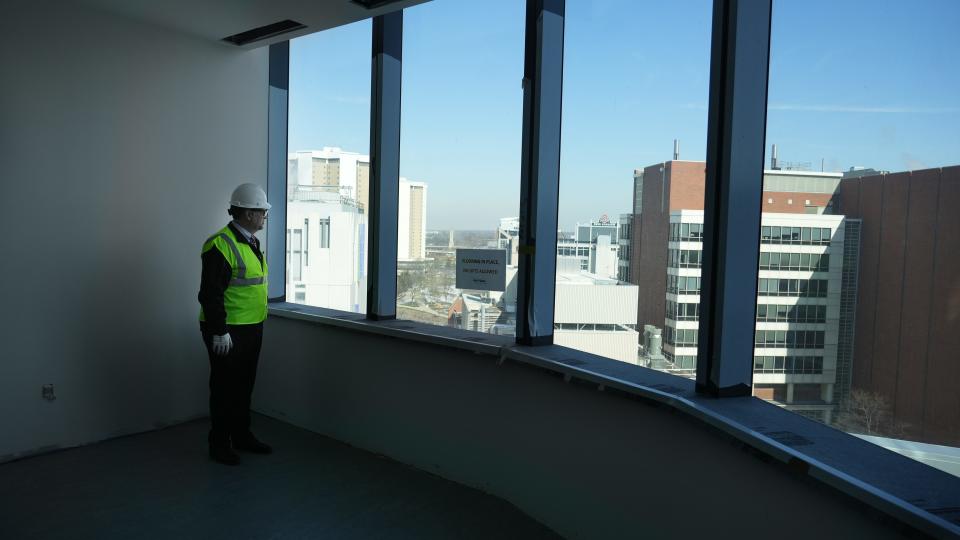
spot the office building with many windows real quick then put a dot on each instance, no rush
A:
(799, 292)
(799, 359)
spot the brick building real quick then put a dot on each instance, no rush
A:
(907, 344)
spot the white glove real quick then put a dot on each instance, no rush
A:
(222, 344)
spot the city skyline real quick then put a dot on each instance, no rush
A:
(829, 77)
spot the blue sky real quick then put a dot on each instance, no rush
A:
(869, 83)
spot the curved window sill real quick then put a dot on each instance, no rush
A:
(879, 478)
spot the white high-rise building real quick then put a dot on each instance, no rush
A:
(328, 196)
(326, 249)
(330, 166)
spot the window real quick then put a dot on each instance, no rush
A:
(328, 167)
(806, 288)
(686, 232)
(616, 150)
(816, 288)
(798, 313)
(869, 295)
(681, 337)
(460, 150)
(306, 242)
(295, 254)
(324, 225)
(683, 284)
(684, 258)
(793, 365)
(683, 311)
(796, 235)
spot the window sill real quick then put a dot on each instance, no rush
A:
(879, 478)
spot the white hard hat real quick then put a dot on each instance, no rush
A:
(249, 195)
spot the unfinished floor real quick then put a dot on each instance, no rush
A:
(162, 485)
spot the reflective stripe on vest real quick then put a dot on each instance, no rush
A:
(247, 281)
(241, 278)
(245, 298)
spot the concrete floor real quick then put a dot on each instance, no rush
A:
(162, 485)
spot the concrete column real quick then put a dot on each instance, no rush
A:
(789, 392)
(826, 392)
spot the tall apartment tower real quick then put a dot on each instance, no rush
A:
(412, 221)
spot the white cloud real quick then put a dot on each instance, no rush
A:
(844, 108)
(862, 109)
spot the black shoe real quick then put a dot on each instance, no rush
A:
(223, 454)
(250, 443)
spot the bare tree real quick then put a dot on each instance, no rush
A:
(869, 413)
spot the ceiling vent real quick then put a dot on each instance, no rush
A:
(264, 32)
(373, 4)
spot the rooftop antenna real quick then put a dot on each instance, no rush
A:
(773, 159)
(676, 149)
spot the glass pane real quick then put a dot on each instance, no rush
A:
(460, 162)
(620, 120)
(328, 167)
(875, 344)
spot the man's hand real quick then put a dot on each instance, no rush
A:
(222, 344)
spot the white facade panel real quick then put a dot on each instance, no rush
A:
(595, 303)
(620, 346)
(333, 276)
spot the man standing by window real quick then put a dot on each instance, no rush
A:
(233, 306)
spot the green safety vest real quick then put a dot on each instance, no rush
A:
(245, 299)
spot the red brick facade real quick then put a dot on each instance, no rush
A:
(907, 336)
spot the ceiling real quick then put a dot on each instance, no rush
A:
(217, 19)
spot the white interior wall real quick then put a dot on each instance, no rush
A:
(119, 146)
(586, 464)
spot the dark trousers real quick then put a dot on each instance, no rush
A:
(232, 377)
